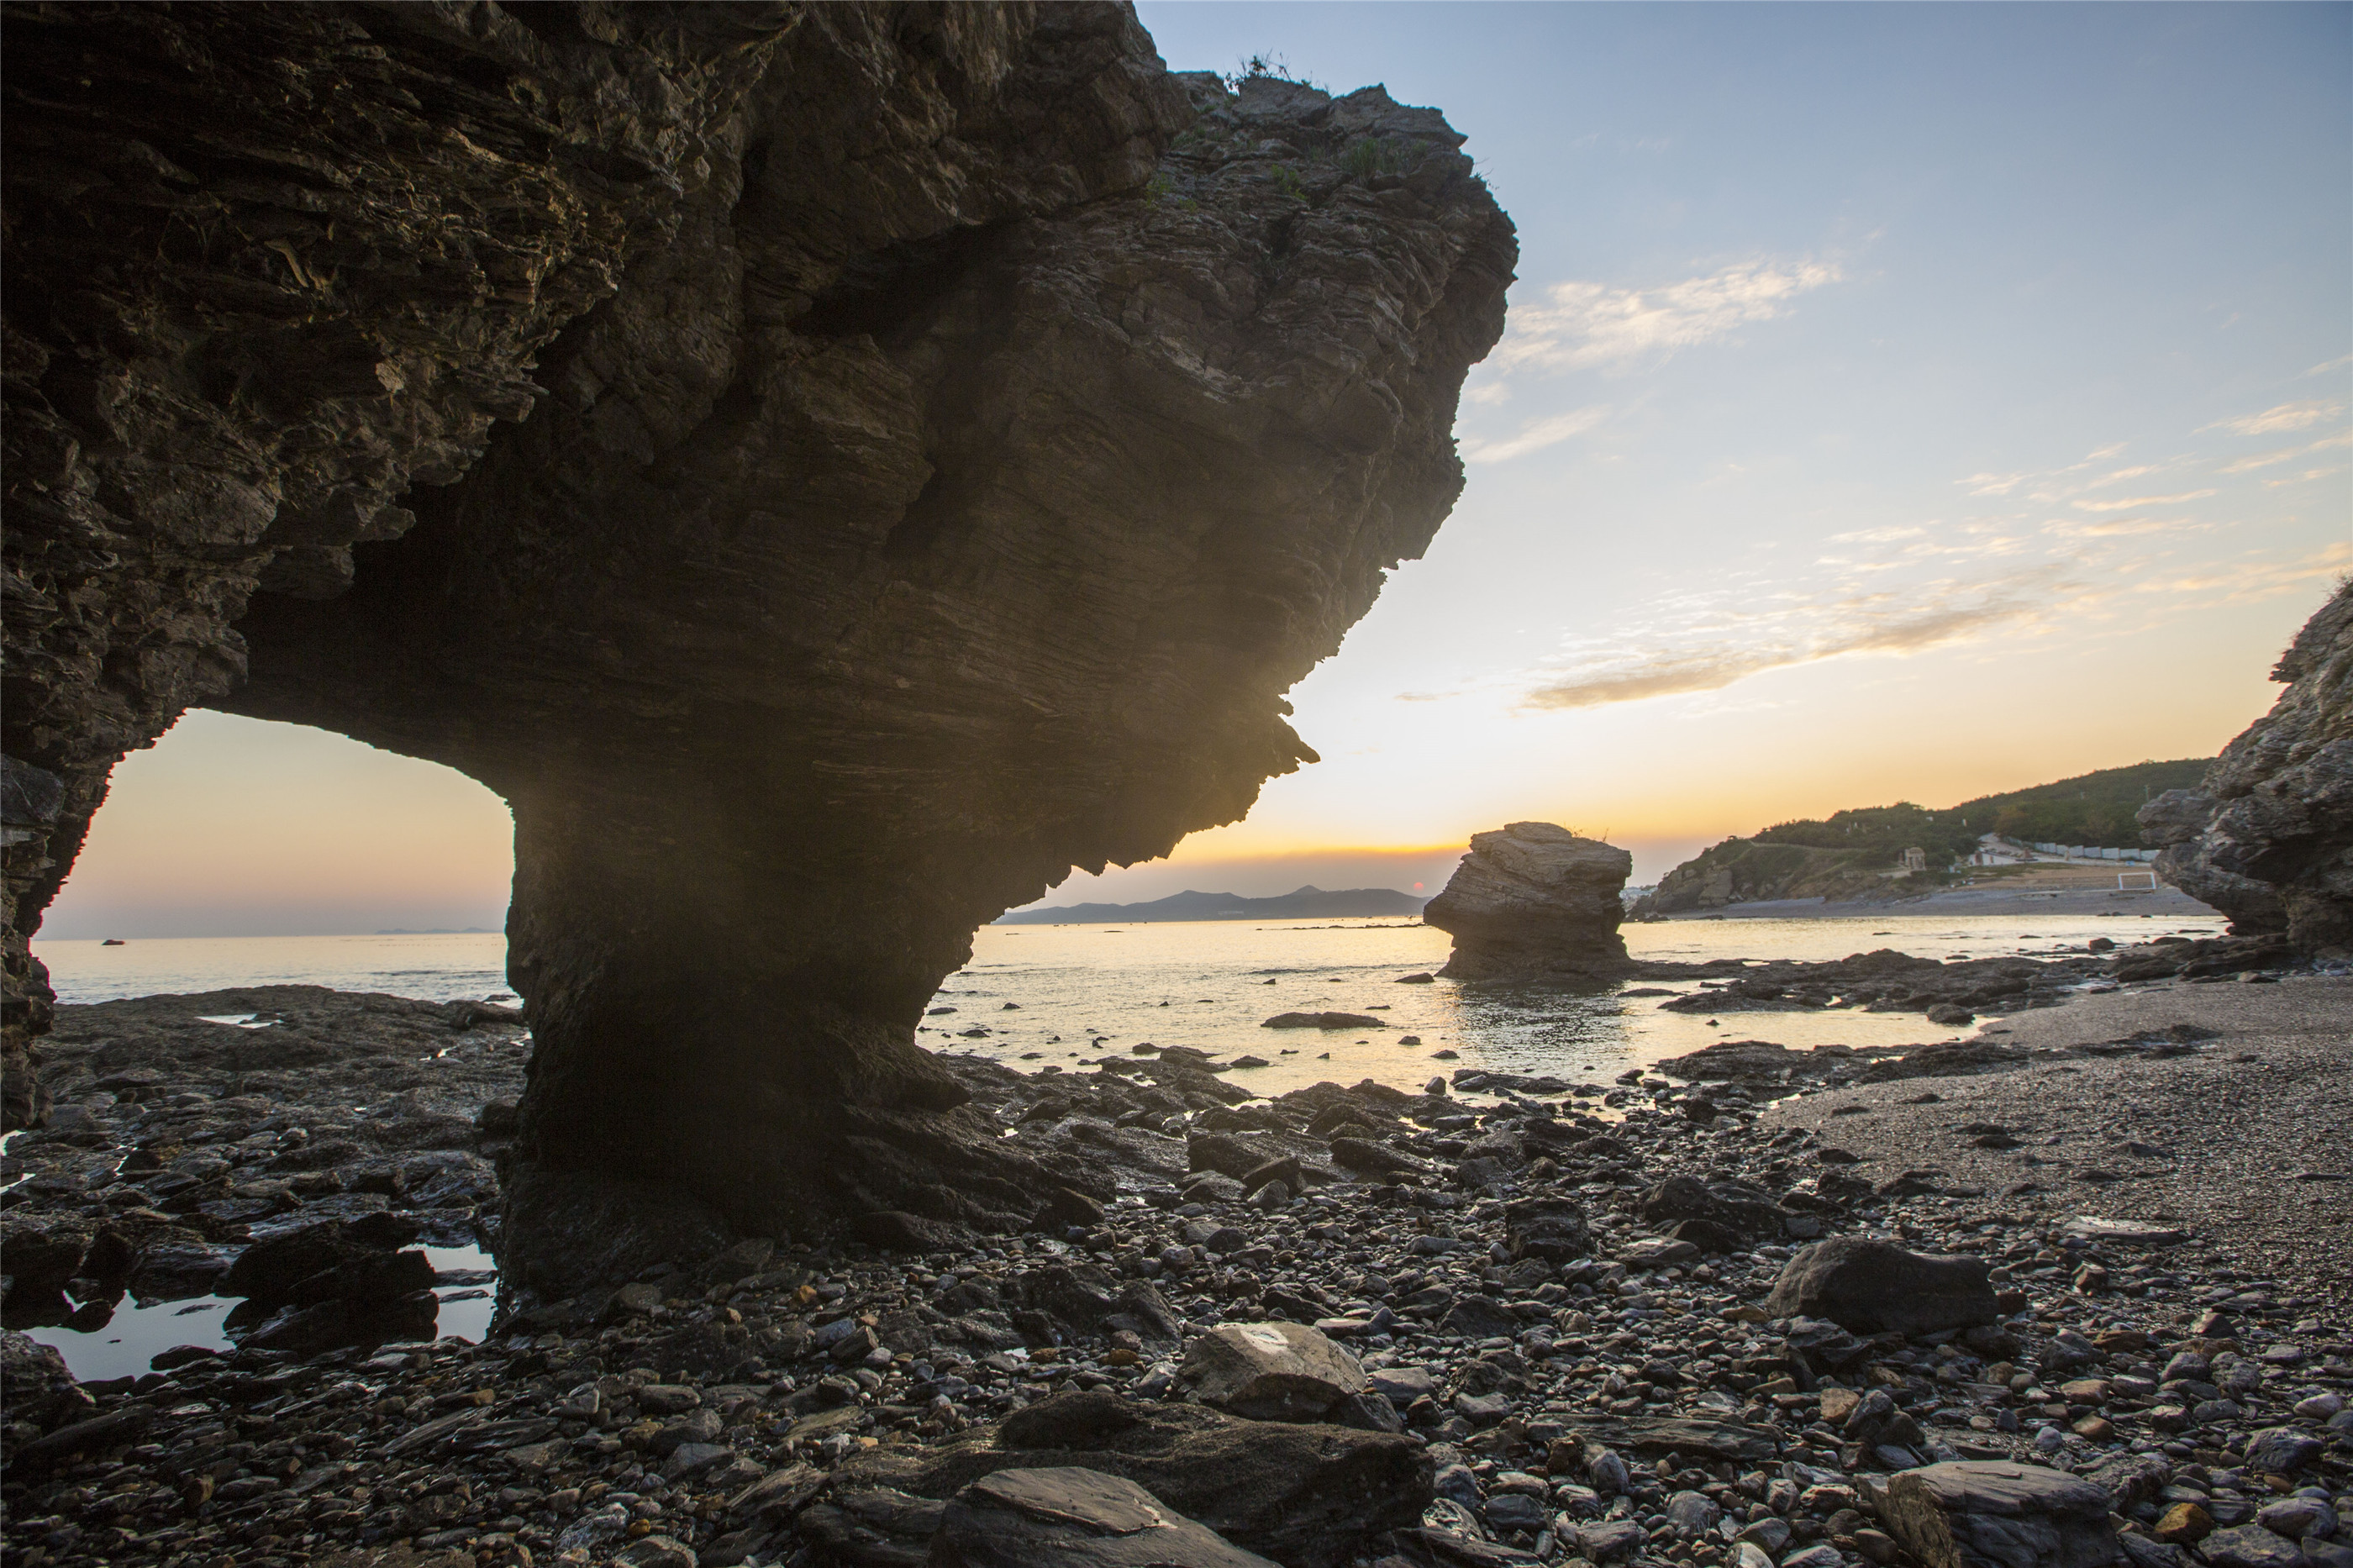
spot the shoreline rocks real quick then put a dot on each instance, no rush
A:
(1558, 1359)
(1532, 902)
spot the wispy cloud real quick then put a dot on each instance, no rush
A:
(1877, 623)
(2129, 502)
(1535, 436)
(1877, 535)
(2281, 417)
(2240, 581)
(1584, 325)
(2260, 460)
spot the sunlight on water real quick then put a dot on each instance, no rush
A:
(1080, 993)
(1055, 997)
(438, 968)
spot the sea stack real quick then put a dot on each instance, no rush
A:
(1533, 901)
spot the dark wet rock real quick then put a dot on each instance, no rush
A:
(1323, 1021)
(566, 1234)
(1946, 1059)
(1476, 1317)
(2267, 838)
(331, 1261)
(1990, 1515)
(1872, 1286)
(328, 1325)
(1731, 1211)
(1533, 901)
(35, 1386)
(1069, 1517)
(39, 1257)
(1307, 1496)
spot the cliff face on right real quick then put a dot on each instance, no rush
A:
(2267, 838)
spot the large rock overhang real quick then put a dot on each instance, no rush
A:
(832, 469)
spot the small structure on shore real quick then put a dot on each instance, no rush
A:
(1533, 901)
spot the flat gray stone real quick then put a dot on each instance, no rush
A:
(1270, 1372)
(2251, 1546)
(1066, 1517)
(2130, 1231)
(1985, 1514)
(1675, 1433)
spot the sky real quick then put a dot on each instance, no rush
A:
(1903, 402)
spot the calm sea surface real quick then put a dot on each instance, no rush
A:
(1049, 996)
(1053, 995)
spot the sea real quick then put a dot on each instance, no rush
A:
(1051, 999)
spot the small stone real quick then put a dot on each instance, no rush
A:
(2250, 1546)
(2282, 1450)
(2183, 1524)
(2300, 1518)
(1072, 1518)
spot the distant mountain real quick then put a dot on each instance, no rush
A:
(1350, 903)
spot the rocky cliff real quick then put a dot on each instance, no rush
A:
(1533, 901)
(2267, 838)
(1743, 870)
(830, 468)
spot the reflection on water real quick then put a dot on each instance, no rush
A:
(119, 1338)
(1039, 996)
(436, 968)
(99, 1343)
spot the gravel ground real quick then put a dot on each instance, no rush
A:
(2235, 1141)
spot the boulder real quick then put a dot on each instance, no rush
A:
(1070, 1518)
(34, 1385)
(329, 1325)
(1533, 901)
(1873, 1287)
(1728, 1206)
(1270, 1372)
(1546, 1226)
(329, 1262)
(1306, 1496)
(1982, 1514)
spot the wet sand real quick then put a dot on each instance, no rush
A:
(2241, 1141)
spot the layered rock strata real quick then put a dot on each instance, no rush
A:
(948, 435)
(1534, 901)
(2267, 838)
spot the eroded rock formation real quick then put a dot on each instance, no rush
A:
(1534, 901)
(948, 436)
(2268, 837)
